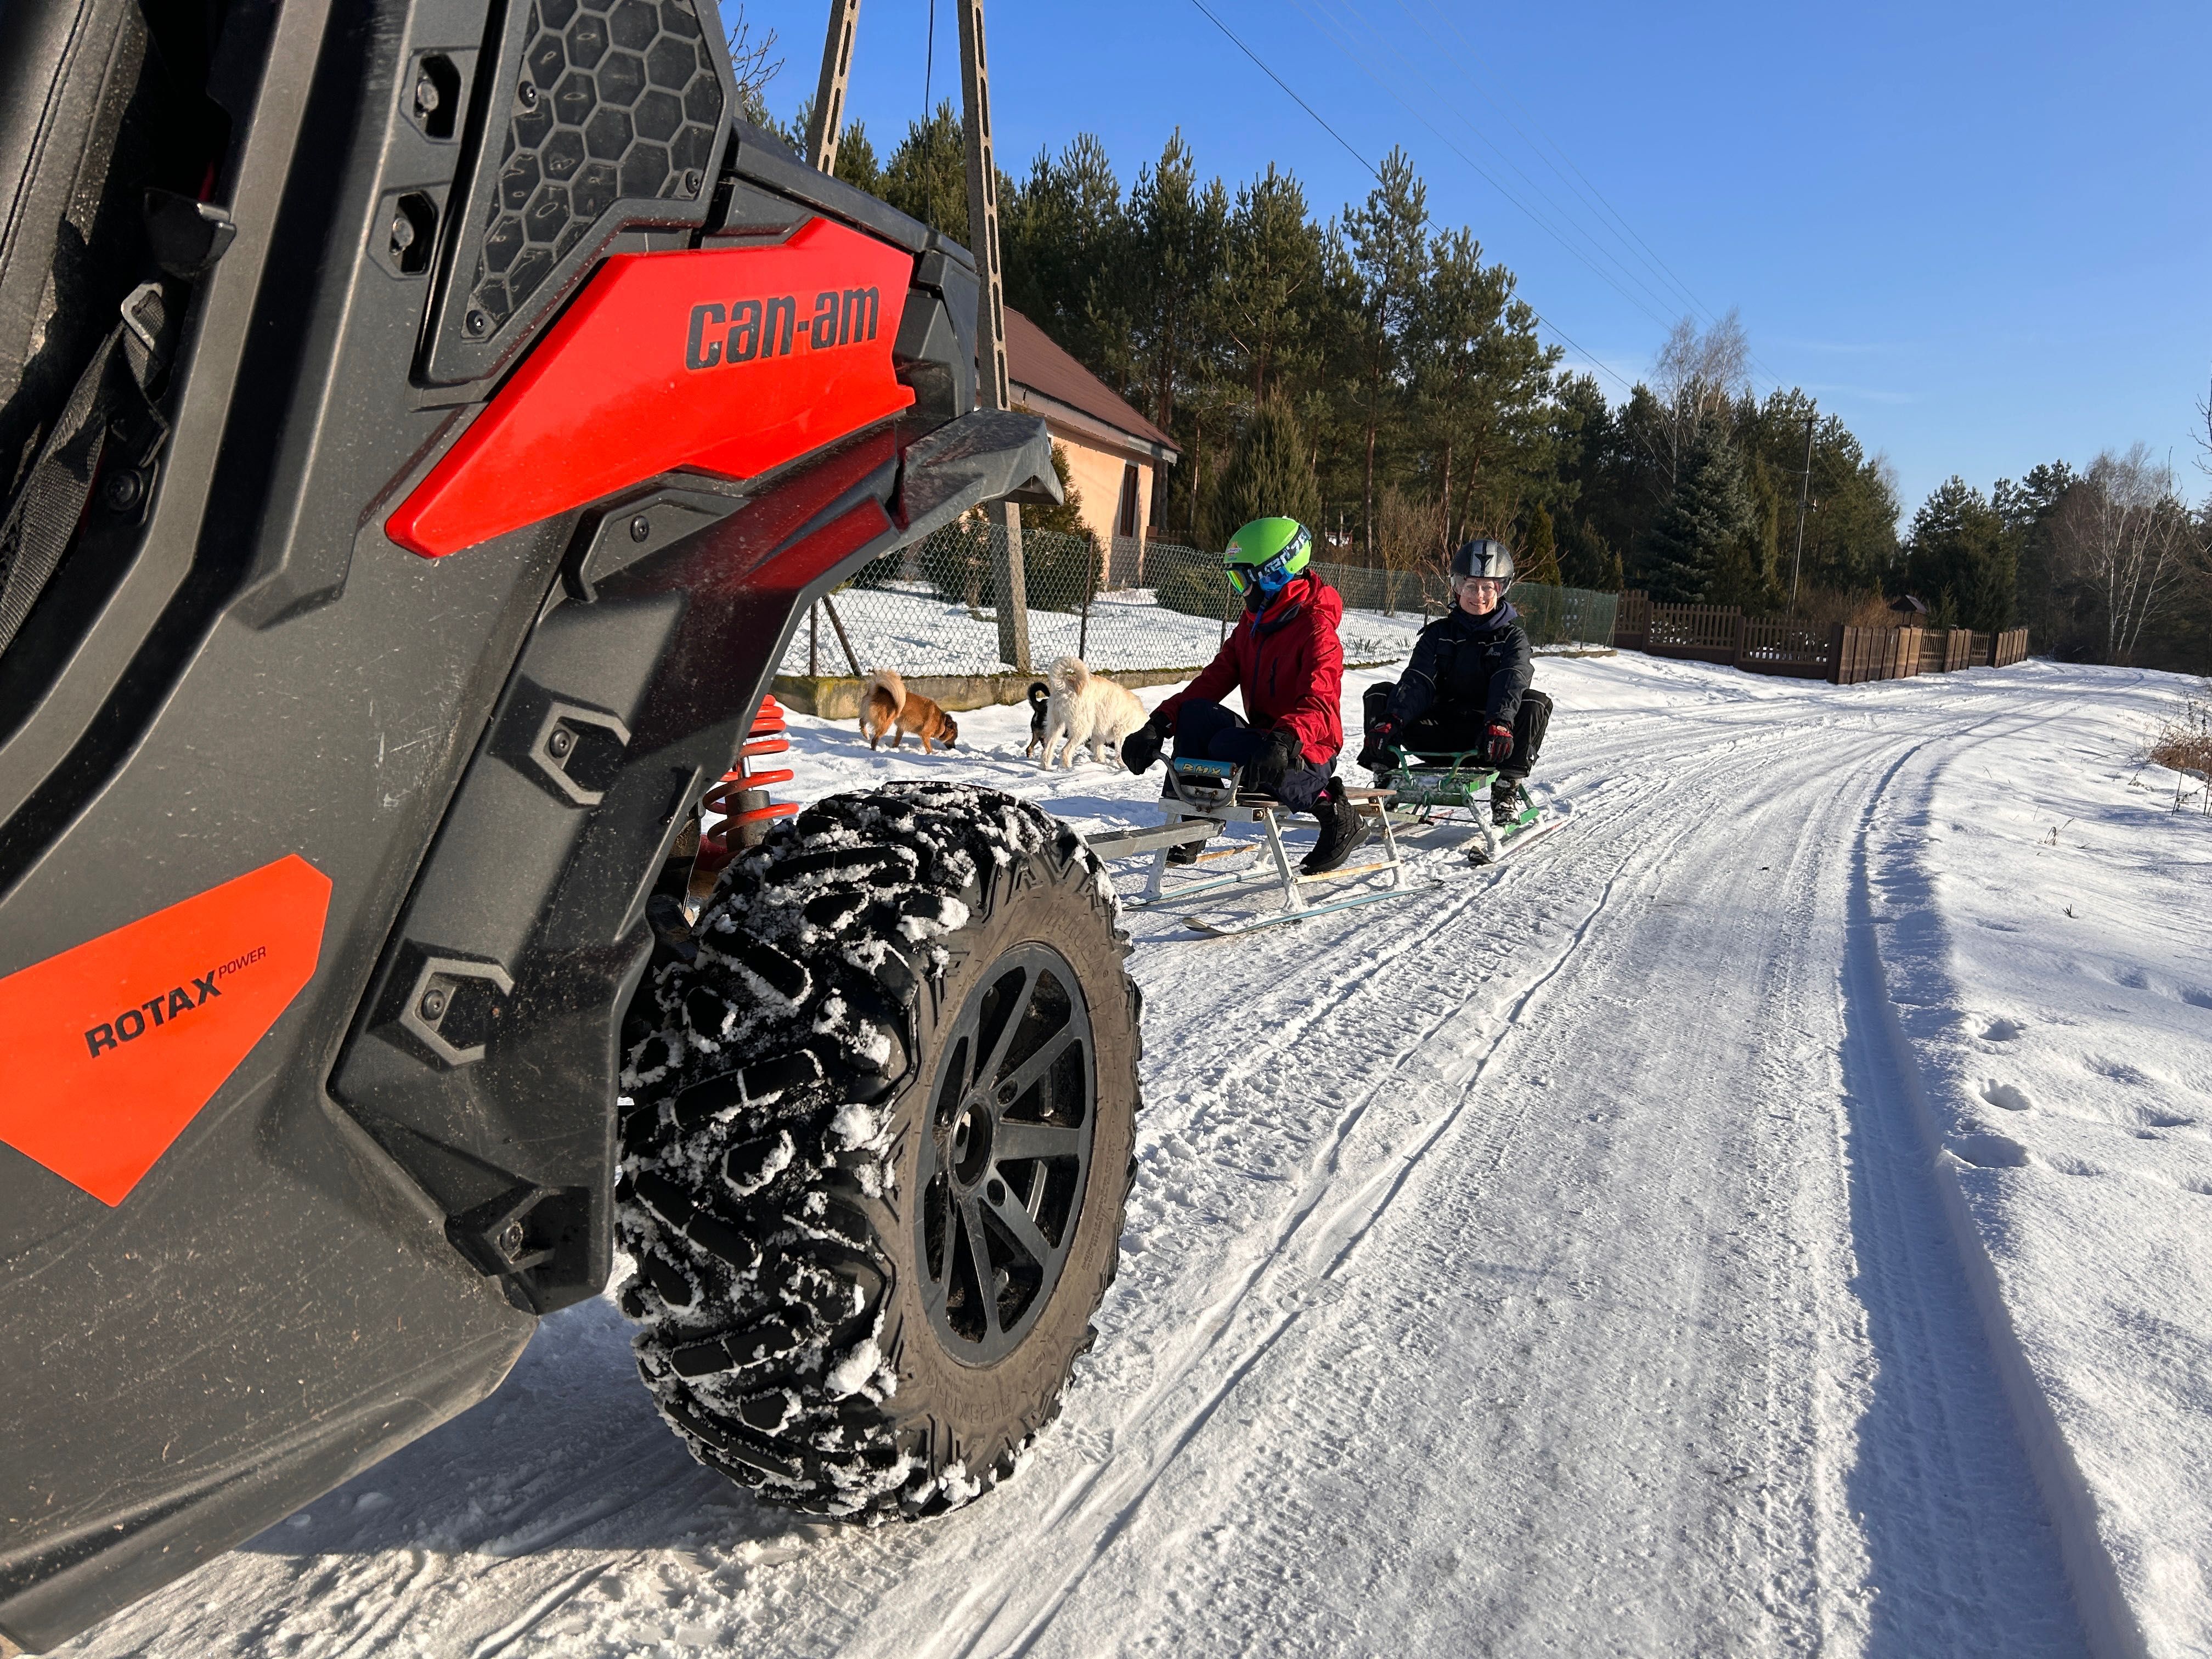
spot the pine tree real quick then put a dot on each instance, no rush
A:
(857, 162)
(1271, 290)
(1959, 560)
(1064, 238)
(1539, 556)
(1389, 240)
(1269, 474)
(1584, 558)
(2029, 510)
(928, 176)
(1684, 553)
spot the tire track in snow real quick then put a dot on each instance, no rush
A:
(1481, 1148)
(1100, 1502)
(1937, 1344)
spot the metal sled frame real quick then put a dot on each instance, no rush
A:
(1421, 786)
(1205, 796)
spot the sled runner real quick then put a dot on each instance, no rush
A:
(1204, 798)
(1424, 788)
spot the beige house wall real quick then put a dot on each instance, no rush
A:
(1096, 475)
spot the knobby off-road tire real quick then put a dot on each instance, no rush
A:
(879, 1150)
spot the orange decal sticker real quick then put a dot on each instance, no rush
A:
(112, 1047)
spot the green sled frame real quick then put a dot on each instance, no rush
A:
(1423, 787)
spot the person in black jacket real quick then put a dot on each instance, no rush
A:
(1466, 688)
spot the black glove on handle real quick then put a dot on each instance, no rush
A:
(1375, 756)
(1142, 747)
(1499, 748)
(1273, 762)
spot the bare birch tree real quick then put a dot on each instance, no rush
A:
(1408, 530)
(755, 67)
(2125, 534)
(1698, 375)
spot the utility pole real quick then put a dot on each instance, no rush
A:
(828, 120)
(823, 130)
(993, 392)
(1804, 489)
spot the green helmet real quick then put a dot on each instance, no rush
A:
(1266, 554)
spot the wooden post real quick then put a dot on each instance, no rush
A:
(994, 390)
(823, 129)
(836, 622)
(1836, 637)
(828, 120)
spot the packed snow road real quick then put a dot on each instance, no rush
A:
(1545, 1261)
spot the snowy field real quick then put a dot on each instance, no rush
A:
(1772, 1217)
(912, 629)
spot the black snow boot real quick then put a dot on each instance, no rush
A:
(1507, 802)
(1186, 851)
(1342, 829)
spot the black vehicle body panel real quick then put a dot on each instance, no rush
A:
(350, 1240)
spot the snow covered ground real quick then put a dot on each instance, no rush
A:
(1771, 1218)
(913, 629)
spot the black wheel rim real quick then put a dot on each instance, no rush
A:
(1011, 1121)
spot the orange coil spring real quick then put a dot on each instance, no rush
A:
(741, 798)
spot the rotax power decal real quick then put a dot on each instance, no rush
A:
(113, 1046)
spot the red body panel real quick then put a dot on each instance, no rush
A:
(725, 360)
(112, 1047)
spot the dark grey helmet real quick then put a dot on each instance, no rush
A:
(1484, 558)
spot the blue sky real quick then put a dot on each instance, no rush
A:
(1979, 232)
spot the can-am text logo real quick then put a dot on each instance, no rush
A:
(749, 329)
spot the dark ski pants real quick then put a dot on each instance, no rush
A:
(1455, 730)
(1206, 731)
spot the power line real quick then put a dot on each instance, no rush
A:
(1536, 218)
(929, 167)
(1279, 81)
(1563, 212)
(1594, 360)
(1650, 255)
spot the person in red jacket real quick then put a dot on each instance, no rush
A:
(1285, 656)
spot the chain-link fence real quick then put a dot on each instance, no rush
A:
(933, 608)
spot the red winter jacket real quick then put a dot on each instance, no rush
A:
(1291, 665)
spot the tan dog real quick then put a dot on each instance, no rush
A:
(886, 706)
(1087, 709)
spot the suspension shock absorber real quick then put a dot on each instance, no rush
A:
(741, 800)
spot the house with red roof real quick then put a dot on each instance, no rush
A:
(1115, 457)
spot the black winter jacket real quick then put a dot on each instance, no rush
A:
(1461, 664)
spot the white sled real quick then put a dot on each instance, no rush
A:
(1204, 798)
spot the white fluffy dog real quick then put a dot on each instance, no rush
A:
(1086, 709)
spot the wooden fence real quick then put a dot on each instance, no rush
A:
(1776, 645)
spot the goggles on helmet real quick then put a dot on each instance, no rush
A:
(1272, 577)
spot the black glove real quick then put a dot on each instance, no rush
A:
(1499, 745)
(1142, 746)
(1375, 756)
(1275, 761)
